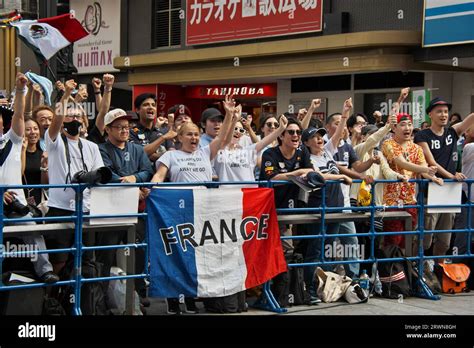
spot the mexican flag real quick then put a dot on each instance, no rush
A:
(46, 36)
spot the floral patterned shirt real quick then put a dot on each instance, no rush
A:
(394, 193)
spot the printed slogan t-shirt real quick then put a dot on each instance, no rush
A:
(188, 167)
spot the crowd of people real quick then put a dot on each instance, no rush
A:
(45, 145)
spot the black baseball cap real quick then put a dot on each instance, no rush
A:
(311, 132)
(436, 102)
(210, 113)
(369, 129)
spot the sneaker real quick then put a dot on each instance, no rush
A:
(173, 306)
(49, 277)
(313, 300)
(191, 305)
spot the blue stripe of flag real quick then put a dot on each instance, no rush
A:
(176, 274)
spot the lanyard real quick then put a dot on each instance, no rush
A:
(68, 158)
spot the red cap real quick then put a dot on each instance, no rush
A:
(404, 117)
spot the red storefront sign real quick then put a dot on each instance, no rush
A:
(239, 91)
(210, 21)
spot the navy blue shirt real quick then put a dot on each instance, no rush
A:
(444, 148)
(132, 160)
(274, 163)
(346, 153)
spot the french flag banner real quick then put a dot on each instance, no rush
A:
(212, 242)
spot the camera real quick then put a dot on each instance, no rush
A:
(102, 175)
(16, 208)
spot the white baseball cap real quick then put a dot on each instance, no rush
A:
(115, 114)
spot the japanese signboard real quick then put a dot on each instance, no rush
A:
(211, 21)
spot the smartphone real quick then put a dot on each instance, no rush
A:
(245, 115)
(375, 152)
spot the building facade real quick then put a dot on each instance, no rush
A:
(366, 49)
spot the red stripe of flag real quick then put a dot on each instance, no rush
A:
(69, 26)
(264, 258)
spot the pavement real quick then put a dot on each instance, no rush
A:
(459, 304)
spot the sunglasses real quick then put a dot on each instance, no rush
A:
(270, 124)
(240, 130)
(294, 131)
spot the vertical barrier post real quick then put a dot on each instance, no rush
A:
(2, 192)
(323, 218)
(469, 218)
(268, 301)
(422, 290)
(372, 223)
(78, 252)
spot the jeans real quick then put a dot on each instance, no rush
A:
(352, 269)
(313, 252)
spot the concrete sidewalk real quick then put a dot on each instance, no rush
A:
(460, 304)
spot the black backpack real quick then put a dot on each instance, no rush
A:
(92, 294)
(289, 288)
(396, 277)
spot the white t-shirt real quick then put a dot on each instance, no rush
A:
(236, 165)
(10, 169)
(58, 169)
(245, 141)
(188, 167)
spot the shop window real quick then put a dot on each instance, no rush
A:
(166, 23)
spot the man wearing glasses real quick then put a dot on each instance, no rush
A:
(129, 164)
(68, 154)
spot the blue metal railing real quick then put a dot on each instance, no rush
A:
(269, 301)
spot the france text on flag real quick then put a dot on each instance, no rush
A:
(212, 243)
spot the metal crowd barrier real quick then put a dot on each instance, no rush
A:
(268, 301)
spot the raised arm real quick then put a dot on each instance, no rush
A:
(247, 123)
(463, 126)
(315, 103)
(18, 120)
(97, 83)
(151, 148)
(346, 110)
(105, 102)
(273, 136)
(61, 109)
(230, 114)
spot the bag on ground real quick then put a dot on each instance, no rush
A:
(453, 277)
(396, 276)
(331, 286)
